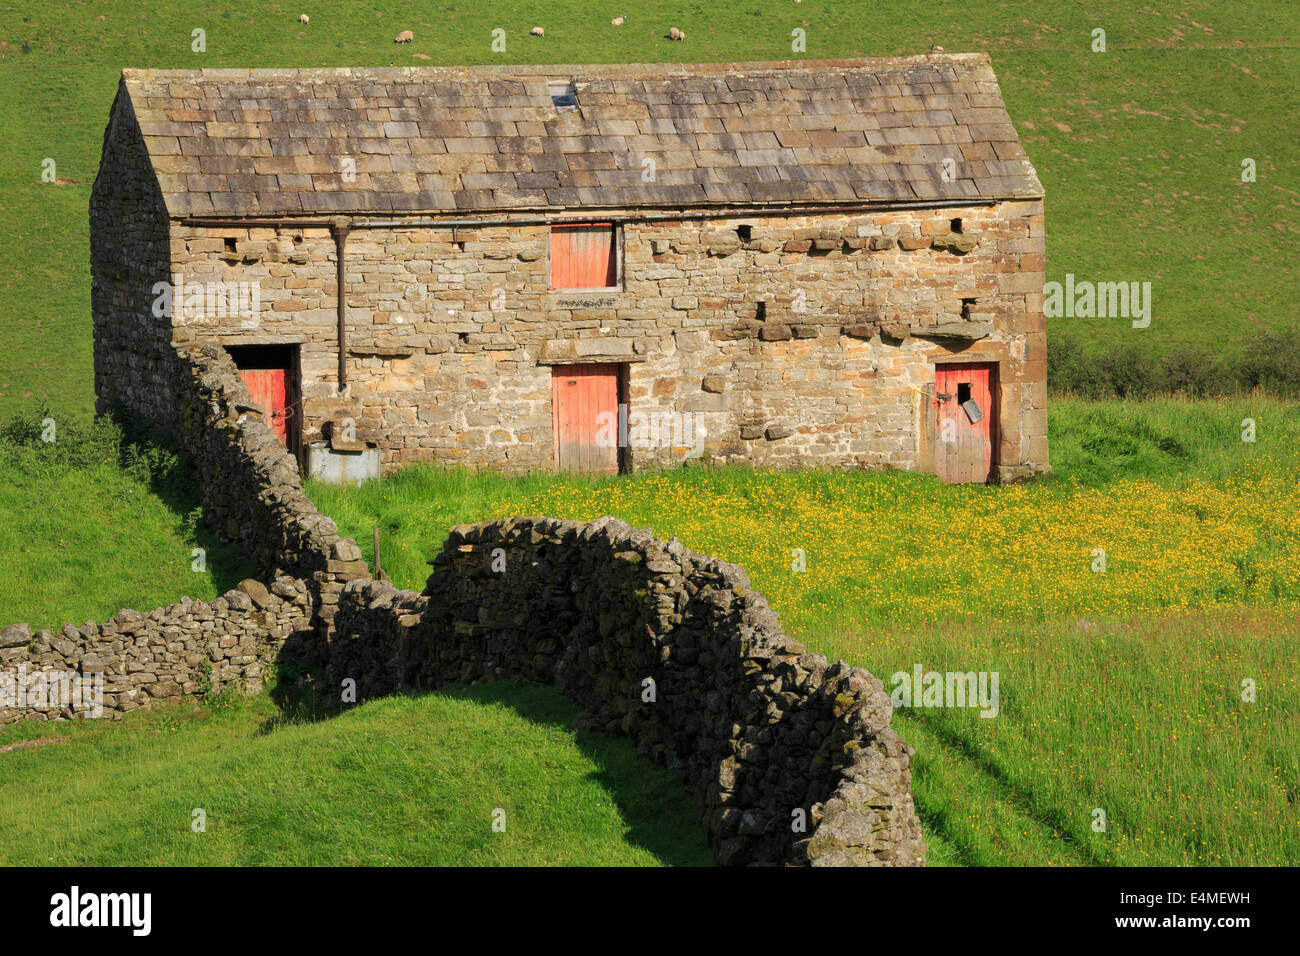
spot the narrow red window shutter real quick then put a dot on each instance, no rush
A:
(583, 257)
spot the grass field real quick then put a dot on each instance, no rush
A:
(402, 781)
(91, 522)
(1189, 516)
(1139, 148)
(1121, 690)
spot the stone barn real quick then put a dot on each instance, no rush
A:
(596, 268)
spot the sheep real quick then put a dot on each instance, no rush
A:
(406, 36)
(618, 21)
(537, 32)
(676, 34)
(935, 48)
(303, 18)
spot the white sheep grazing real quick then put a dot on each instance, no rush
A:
(618, 21)
(303, 18)
(537, 32)
(936, 48)
(406, 36)
(674, 34)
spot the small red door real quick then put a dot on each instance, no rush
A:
(584, 415)
(270, 388)
(966, 414)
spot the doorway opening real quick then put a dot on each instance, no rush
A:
(272, 375)
(588, 417)
(965, 423)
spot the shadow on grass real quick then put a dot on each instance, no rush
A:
(172, 481)
(651, 799)
(46, 447)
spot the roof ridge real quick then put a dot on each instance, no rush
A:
(547, 69)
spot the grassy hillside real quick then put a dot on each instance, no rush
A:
(92, 522)
(1139, 148)
(1120, 690)
(400, 781)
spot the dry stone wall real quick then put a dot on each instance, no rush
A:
(249, 483)
(671, 648)
(135, 659)
(252, 496)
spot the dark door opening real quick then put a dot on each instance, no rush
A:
(271, 374)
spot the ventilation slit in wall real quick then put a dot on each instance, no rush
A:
(230, 244)
(760, 312)
(965, 308)
(745, 233)
(955, 225)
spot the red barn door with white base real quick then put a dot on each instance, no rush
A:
(966, 416)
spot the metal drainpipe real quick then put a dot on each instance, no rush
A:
(340, 229)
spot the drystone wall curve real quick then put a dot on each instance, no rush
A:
(673, 649)
(790, 759)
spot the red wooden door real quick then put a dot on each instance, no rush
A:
(270, 388)
(584, 415)
(582, 257)
(965, 450)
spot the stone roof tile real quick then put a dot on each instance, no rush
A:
(476, 139)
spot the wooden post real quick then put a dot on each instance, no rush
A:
(379, 571)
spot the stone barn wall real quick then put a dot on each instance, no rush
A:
(790, 339)
(130, 252)
(760, 728)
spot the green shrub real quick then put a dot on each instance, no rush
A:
(1270, 362)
